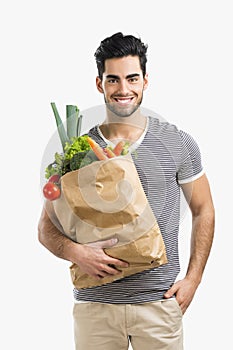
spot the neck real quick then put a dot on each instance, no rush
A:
(130, 128)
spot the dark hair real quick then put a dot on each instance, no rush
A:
(119, 45)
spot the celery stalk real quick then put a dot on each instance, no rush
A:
(60, 127)
(72, 118)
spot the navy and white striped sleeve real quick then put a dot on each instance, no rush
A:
(191, 167)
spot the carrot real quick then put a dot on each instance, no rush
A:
(119, 148)
(99, 152)
(109, 153)
(92, 142)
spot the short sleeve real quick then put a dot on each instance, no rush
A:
(190, 167)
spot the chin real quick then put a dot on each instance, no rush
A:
(122, 113)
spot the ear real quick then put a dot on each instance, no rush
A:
(145, 82)
(99, 85)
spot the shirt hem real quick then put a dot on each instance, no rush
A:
(192, 178)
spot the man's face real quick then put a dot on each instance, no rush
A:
(122, 85)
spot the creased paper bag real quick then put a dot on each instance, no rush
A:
(103, 200)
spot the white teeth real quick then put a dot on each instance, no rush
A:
(124, 101)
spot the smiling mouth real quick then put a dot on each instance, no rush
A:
(124, 100)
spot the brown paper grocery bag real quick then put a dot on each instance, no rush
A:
(103, 200)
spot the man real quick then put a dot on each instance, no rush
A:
(145, 308)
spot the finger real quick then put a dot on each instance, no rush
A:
(171, 291)
(97, 277)
(107, 269)
(104, 273)
(183, 305)
(116, 262)
(103, 244)
(183, 308)
(111, 272)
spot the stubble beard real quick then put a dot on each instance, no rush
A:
(122, 111)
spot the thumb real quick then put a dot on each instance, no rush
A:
(103, 244)
(170, 292)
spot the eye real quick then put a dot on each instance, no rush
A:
(133, 80)
(112, 81)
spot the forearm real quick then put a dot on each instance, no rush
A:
(54, 240)
(91, 258)
(201, 242)
(200, 202)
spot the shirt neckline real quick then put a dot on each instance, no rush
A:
(134, 145)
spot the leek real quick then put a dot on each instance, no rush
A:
(79, 125)
(60, 127)
(72, 120)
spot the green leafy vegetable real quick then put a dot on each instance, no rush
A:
(125, 149)
(76, 144)
(77, 153)
(82, 159)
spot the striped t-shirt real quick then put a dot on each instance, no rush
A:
(164, 158)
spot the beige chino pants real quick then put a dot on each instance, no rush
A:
(148, 326)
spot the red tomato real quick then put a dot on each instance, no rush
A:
(51, 191)
(54, 178)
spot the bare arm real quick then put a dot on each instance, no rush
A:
(203, 216)
(200, 202)
(91, 258)
(52, 237)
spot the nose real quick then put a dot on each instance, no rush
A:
(123, 87)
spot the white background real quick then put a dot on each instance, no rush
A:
(47, 52)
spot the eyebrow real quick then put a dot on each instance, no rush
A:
(113, 76)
